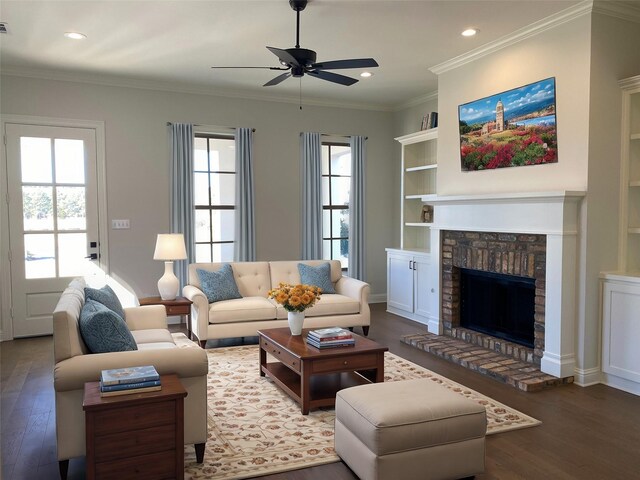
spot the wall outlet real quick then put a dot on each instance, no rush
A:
(120, 224)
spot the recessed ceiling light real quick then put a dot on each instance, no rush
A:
(470, 32)
(366, 74)
(75, 35)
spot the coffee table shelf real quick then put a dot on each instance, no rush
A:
(312, 377)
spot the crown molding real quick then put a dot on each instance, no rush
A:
(417, 101)
(129, 82)
(622, 10)
(564, 16)
(628, 83)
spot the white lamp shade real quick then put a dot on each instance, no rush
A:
(170, 246)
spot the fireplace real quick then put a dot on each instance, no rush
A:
(471, 262)
(498, 305)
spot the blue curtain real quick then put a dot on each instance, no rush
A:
(357, 254)
(181, 199)
(245, 242)
(311, 186)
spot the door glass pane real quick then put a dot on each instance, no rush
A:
(203, 252)
(324, 159)
(223, 155)
(200, 159)
(72, 248)
(70, 203)
(35, 159)
(326, 249)
(39, 256)
(341, 251)
(340, 190)
(325, 191)
(37, 208)
(223, 252)
(69, 160)
(201, 188)
(223, 225)
(340, 160)
(203, 226)
(341, 223)
(223, 189)
(326, 223)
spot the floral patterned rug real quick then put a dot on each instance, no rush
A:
(256, 429)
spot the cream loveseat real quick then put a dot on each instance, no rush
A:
(243, 317)
(74, 366)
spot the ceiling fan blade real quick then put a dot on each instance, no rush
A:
(284, 56)
(269, 68)
(277, 80)
(332, 77)
(351, 63)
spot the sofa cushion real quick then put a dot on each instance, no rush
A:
(103, 330)
(319, 276)
(106, 296)
(219, 285)
(242, 310)
(152, 335)
(286, 271)
(329, 304)
(252, 278)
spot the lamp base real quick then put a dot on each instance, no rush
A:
(168, 284)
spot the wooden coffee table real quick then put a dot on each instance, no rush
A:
(311, 376)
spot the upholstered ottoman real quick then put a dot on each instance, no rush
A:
(413, 429)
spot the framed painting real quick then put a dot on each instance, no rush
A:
(510, 129)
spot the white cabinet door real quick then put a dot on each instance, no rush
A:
(400, 282)
(421, 286)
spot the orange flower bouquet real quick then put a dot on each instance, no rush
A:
(296, 298)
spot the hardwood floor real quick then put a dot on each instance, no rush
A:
(587, 433)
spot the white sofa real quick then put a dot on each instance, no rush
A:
(243, 317)
(75, 365)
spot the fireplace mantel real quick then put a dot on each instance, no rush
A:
(554, 214)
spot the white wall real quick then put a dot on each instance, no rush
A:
(615, 54)
(563, 53)
(138, 163)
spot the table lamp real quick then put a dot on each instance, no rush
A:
(169, 247)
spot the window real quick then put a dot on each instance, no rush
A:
(336, 181)
(214, 171)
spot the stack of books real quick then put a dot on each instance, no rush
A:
(330, 338)
(429, 121)
(124, 381)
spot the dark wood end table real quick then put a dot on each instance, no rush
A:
(140, 435)
(311, 376)
(180, 306)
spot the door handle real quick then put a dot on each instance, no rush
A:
(93, 256)
(414, 266)
(410, 266)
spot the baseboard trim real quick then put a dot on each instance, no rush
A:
(587, 377)
(378, 298)
(621, 384)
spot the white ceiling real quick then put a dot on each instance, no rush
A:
(176, 42)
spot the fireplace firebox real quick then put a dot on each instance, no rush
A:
(499, 305)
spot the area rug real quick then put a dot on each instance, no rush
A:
(256, 429)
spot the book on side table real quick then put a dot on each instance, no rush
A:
(124, 381)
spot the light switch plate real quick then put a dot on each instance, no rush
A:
(120, 224)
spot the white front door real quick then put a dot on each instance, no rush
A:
(53, 218)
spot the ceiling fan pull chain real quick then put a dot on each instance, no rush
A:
(300, 93)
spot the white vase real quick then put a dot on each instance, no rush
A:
(296, 319)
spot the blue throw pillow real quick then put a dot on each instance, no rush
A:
(219, 285)
(106, 296)
(319, 276)
(103, 330)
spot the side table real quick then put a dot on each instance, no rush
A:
(140, 435)
(180, 306)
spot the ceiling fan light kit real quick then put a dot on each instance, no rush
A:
(300, 61)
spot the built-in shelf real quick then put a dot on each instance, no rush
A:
(634, 230)
(634, 183)
(635, 136)
(422, 167)
(416, 224)
(413, 197)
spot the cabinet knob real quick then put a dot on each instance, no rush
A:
(432, 290)
(345, 362)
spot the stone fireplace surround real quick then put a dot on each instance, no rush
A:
(552, 216)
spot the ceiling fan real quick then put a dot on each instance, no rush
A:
(300, 61)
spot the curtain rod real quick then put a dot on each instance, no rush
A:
(210, 126)
(335, 135)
